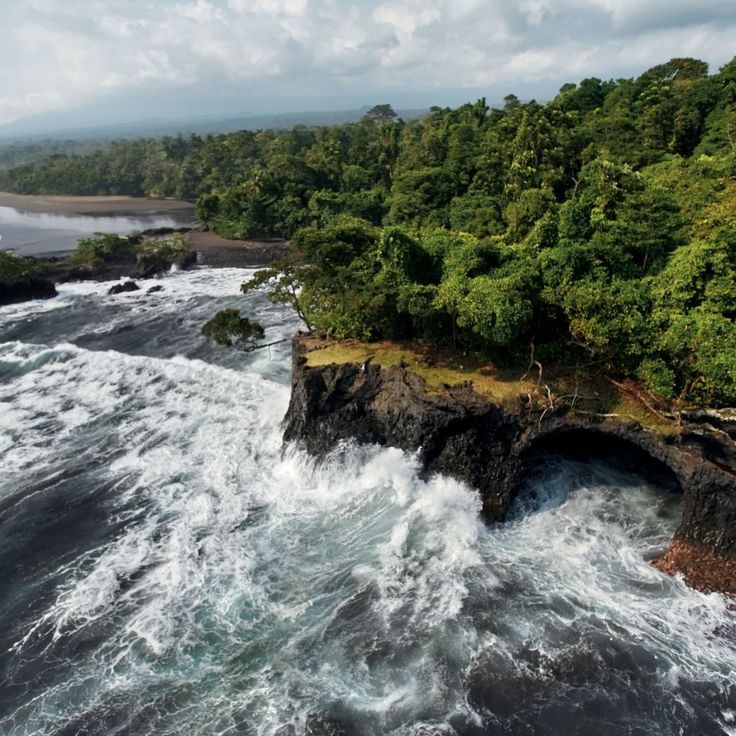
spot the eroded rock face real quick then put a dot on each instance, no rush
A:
(23, 289)
(492, 448)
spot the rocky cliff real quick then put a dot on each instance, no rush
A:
(492, 447)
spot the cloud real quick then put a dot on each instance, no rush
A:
(58, 55)
(634, 16)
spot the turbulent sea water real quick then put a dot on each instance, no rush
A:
(168, 568)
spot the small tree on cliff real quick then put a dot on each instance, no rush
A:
(284, 280)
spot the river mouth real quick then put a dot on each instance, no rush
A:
(169, 567)
(56, 233)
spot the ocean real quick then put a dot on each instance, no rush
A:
(169, 567)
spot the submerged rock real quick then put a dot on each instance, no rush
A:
(25, 288)
(155, 289)
(493, 447)
(122, 288)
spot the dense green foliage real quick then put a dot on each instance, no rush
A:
(106, 248)
(21, 154)
(100, 248)
(599, 227)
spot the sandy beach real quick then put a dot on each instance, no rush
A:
(90, 205)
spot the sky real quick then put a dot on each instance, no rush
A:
(167, 58)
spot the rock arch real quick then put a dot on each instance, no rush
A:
(491, 446)
(591, 443)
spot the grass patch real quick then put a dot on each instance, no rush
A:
(574, 386)
(439, 369)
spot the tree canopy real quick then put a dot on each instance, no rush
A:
(600, 226)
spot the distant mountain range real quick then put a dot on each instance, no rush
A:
(42, 127)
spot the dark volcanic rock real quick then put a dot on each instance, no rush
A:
(127, 264)
(493, 447)
(122, 267)
(150, 265)
(125, 286)
(186, 261)
(217, 252)
(25, 288)
(155, 289)
(159, 232)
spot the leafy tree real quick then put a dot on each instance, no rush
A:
(284, 280)
(101, 248)
(229, 328)
(381, 114)
(611, 320)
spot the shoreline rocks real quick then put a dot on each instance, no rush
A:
(494, 447)
(25, 288)
(124, 287)
(206, 249)
(217, 253)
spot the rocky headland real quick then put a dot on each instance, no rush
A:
(493, 445)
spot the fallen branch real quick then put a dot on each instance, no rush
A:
(639, 396)
(268, 344)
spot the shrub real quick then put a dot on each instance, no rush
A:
(101, 248)
(658, 377)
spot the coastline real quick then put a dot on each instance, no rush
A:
(212, 249)
(205, 249)
(494, 442)
(62, 205)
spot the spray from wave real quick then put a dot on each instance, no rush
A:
(170, 568)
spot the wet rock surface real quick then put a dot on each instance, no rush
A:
(25, 288)
(122, 288)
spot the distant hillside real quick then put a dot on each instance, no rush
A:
(23, 153)
(33, 130)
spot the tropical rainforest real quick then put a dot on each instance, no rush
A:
(598, 228)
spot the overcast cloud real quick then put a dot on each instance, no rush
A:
(57, 54)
